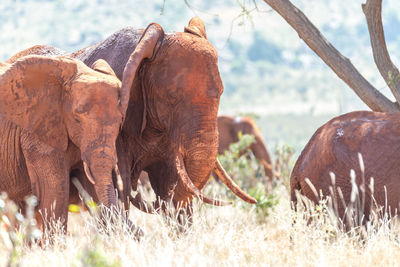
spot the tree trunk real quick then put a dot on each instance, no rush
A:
(372, 10)
(332, 57)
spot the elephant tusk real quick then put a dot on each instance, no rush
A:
(211, 201)
(268, 166)
(87, 199)
(150, 208)
(88, 172)
(219, 170)
(120, 184)
(140, 204)
(191, 188)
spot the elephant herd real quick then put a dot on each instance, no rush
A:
(145, 100)
(148, 102)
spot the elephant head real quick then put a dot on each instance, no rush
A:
(170, 128)
(172, 114)
(64, 103)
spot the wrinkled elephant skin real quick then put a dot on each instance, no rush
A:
(54, 112)
(334, 147)
(170, 128)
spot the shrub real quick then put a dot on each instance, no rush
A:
(17, 230)
(247, 172)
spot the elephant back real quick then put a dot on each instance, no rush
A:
(40, 50)
(116, 49)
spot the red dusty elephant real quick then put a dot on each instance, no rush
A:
(229, 129)
(171, 126)
(55, 113)
(170, 129)
(334, 148)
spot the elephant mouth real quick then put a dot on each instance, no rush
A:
(187, 184)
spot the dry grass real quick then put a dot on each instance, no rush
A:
(220, 236)
(237, 235)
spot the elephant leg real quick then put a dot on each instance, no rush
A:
(180, 218)
(49, 180)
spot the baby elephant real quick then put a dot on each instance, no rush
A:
(55, 112)
(335, 147)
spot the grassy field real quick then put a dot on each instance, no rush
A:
(239, 235)
(291, 88)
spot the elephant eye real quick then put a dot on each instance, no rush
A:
(77, 120)
(83, 108)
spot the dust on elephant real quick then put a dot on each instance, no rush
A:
(334, 147)
(171, 126)
(55, 112)
(229, 128)
(170, 129)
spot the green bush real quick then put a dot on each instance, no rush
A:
(17, 230)
(246, 171)
(93, 256)
(265, 201)
(284, 163)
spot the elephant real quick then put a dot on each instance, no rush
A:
(55, 112)
(170, 129)
(335, 147)
(39, 50)
(229, 128)
(171, 126)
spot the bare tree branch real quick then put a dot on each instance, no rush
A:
(333, 58)
(373, 13)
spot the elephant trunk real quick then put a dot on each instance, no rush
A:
(106, 197)
(99, 169)
(190, 165)
(186, 186)
(196, 163)
(197, 160)
(183, 192)
(194, 160)
(261, 153)
(186, 189)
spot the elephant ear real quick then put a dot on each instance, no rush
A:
(31, 93)
(102, 66)
(196, 27)
(147, 47)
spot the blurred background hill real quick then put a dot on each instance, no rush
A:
(266, 69)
